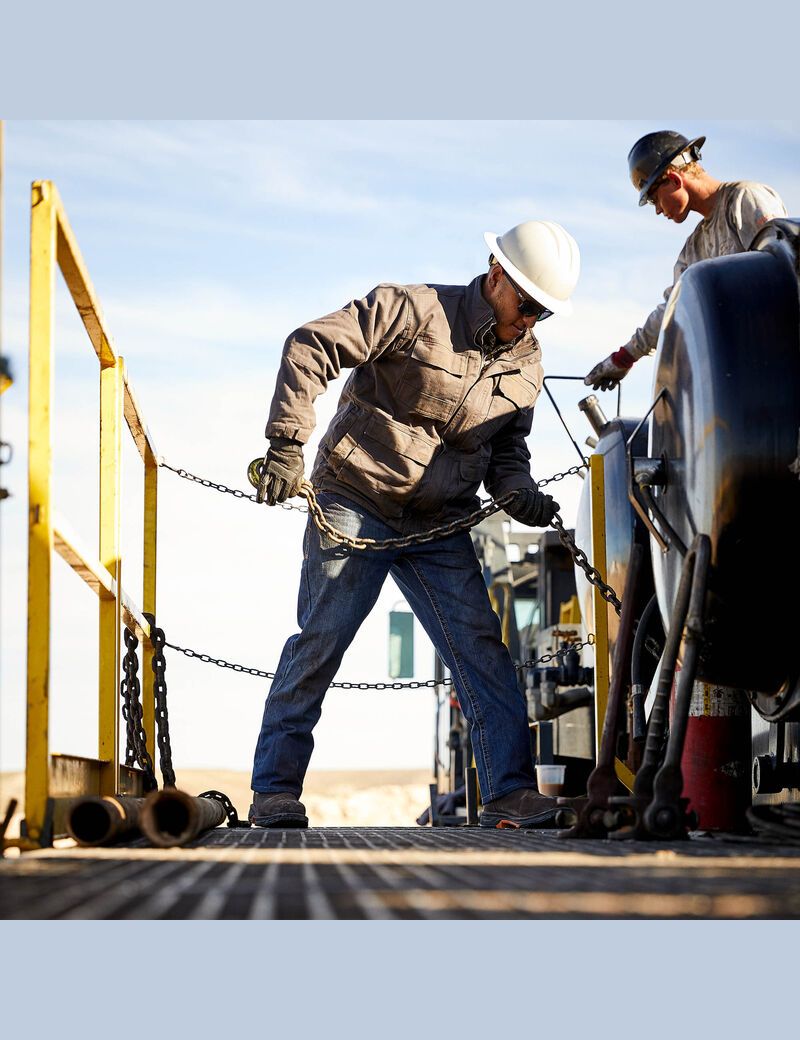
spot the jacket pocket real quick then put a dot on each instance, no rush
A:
(512, 392)
(338, 442)
(433, 381)
(387, 462)
(451, 479)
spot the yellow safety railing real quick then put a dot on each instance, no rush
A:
(601, 611)
(50, 781)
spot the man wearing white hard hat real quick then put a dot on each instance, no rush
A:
(665, 170)
(439, 400)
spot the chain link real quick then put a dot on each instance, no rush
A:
(465, 523)
(404, 541)
(361, 544)
(236, 492)
(593, 575)
(136, 752)
(573, 471)
(227, 805)
(158, 641)
(579, 645)
(414, 684)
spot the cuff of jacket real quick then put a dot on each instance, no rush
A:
(638, 349)
(514, 482)
(290, 431)
(623, 358)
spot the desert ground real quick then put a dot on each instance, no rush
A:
(333, 798)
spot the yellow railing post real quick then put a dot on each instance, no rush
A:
(53, 243)
(601, 664)
(40, 521)
(111, 395)
(149, 589)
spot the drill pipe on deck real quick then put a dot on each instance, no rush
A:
(172, 817)
(101, 821)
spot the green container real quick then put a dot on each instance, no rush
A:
(401, 644)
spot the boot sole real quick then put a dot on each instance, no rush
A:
(285, 820)
(542, 819)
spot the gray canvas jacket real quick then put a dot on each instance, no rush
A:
(433, 406)
(740, 210)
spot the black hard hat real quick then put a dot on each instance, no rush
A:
(653, 153)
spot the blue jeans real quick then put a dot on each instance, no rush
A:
(443, 584)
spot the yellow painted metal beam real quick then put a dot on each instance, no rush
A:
(79, 284)
(601, 658)
(150, 557)
(624, 775)
(111, 394)
(133, 619)
(40, 530)
(91, 571)
(136, 424)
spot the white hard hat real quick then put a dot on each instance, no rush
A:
(542, 258)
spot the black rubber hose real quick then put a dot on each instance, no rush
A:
(639, 722)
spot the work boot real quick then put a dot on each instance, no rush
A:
(277, 810)
(524, 807)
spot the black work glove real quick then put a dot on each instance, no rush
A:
(282, 471)
(533, 507)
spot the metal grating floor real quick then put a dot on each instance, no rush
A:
(405, 873)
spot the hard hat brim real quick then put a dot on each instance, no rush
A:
(561, 307)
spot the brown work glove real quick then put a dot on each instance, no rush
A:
(533, 507)
(282, 471)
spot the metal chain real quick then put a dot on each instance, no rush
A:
(415, 684)
(593, 575)
(579, 645)
(465, 523)
(226, 490)
(158, 642)
(136, 752)
(403, 542)
(573, 471)
(237, 493)
(220, 662)
(228, 806)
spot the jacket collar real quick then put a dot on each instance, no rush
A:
(480, 321)
(479, 316)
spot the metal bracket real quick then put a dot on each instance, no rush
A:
(644, 473)
(558, 411)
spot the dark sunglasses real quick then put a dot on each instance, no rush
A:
(528, 307)
(651, 195)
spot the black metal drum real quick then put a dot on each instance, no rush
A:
(726, 431)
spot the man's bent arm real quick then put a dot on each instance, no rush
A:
(316, 353)
(645, 339)
(510, 464)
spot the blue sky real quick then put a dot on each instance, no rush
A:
(207, 243)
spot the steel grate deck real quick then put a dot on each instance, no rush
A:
(407, 874)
